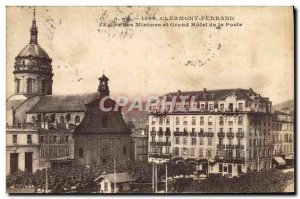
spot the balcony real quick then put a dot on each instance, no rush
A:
(185, 133)
(177, 133)
(221, 134)
(240, 135)
(163, 143)
(160, 155)
(209, 134)
(229, 146)
(230, 135)
(221, 146)
(167, 133)
(201, 134)
(160, 133)
(239, 146)
(239, 160)
(193, 134)
(210, 123)
(152, 133)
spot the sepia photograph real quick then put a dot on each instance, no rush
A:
(150, 100)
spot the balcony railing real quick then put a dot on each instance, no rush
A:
(31, 127)
(160, 133)
(185, 133)
(237, 160)
(240, 135)
(167, 133)
(230, 134)
(209, 134)
(201, 134)
(239, 146)
(193, 134)
(221, 134)
(162, 143)
(221, 146)
(229, 146)
(160, 155)
(177, 133)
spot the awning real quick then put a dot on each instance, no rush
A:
(279, 160)
(289, 157)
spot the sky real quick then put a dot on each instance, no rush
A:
(157, 60)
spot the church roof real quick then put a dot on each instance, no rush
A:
(63, 103)
(33, 50)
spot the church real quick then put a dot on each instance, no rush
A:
(46, 130)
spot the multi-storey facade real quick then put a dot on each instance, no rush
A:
(218, 131)
(283, 135)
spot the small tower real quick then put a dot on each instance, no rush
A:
(103, 88)
(33, 69)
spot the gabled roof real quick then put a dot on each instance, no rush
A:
(120, 177)
(63, 103)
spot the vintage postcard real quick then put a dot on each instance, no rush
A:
(154, 100)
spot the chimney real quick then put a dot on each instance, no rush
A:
(204, 90)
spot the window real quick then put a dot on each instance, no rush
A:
(104, 121)
(210, 120)
(105, 186)
(240, 130)
(104, 150)
(42, 139)
(192, 152)
(52, 117)
(200, 152)
(44, 87)
(167, 149)
(184, 140)
(15, 139)
(29, 85)
(184, 121)
(193, 141)
(209, 153)
(160, 120)
(201, 120)
(240, 120)
(42, 152)
(167, 120)
(220, 141)
(29, 140)
(55, 152)
(68, 117)
(220, 168)
(177, 140)
(17, 85)
(221, 129)
(176, 151)
(67, 138)
(202, 107)
(80, 152)
(177, 120)
(210, 130)
(124, 150)
(201, 141)
(221, 121)
(211, 107)
(209, 141)
(55, 139)
(67, 151)
(184, 151)
(193, 121)
(250, 143)
(241, 106)
(221, 107)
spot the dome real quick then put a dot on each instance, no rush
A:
(33, 50)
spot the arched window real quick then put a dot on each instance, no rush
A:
(52, 117)
(221, 121)
(68, 117)
(62, 119)
(80, 152)
(44, 87)
(29, 85)
(167, 120)
(17, 85)
(77, 119)
(240, 120)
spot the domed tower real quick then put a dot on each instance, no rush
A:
(33, 69)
